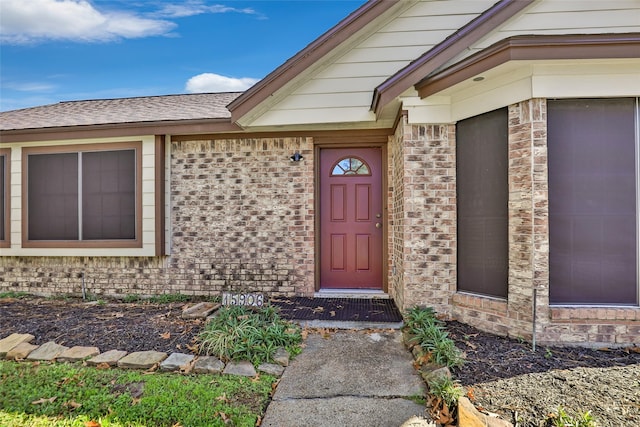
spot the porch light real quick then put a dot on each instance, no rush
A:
(296, 157)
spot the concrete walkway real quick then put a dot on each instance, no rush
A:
(354, 378)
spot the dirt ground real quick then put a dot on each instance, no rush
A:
(503, 376)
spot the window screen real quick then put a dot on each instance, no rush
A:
(592, 201)
(482, 186)
(82, 196)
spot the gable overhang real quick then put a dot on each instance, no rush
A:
(528, 49)
(438, 56)
(307, 57)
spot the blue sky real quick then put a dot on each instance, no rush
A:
(61, 50)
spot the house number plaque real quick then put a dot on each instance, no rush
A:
(254, 300)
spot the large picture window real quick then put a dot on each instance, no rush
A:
(5, 198)
(87, 196)
(483, 192)
(592, 201)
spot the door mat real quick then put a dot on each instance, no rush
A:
(338, 309)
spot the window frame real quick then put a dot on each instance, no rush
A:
(5, 192)
(63, 244)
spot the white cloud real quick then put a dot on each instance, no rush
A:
(29, 86)
(77, 20)
(209, 82)
(197, 7)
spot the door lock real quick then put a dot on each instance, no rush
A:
(378, 225)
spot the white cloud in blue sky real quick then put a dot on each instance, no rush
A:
(210, 82)
(36, 21)
(197, 7)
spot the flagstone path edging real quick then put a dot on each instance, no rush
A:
(18, 347)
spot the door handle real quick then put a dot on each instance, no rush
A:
(378, 225)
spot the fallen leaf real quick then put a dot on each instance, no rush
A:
(103, 365)
(44, 400)
(318, 309)
(332, 313)
(165, 336)
(91, 424)
(473, 346)
(193, 348)
(72, 404)
(222, 398)
(135, 401)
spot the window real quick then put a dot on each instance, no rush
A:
(483, 192)
(350, 166)
(5, 198)
(593, 231)
(83, 196)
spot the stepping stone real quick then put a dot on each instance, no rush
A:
(13, 340)
(271, 369)
(244, 369)
(200, 310)
(208, 365)
(281, 356)
(110, 357)
(21, 351)
(176, 361)
(141, 360)
(78, 353)
(47, 352)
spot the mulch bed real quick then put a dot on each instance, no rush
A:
(503, 375)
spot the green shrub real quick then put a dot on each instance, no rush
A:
(429, 333)
(562, 419)
(240, 333)
(446, 389)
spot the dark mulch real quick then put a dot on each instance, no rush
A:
(490, 357)
(108, 326)
(146, 326)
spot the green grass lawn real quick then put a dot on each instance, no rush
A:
(70, 395)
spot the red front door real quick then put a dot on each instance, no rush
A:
(351, 218)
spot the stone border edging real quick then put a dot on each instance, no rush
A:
(18, 347)
(468, 415)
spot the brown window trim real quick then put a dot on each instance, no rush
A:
(6, 193)
(63, 244)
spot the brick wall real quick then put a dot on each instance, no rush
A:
(241, 219)
(424, 226)
(242, 215)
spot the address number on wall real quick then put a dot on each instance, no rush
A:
(254, 300)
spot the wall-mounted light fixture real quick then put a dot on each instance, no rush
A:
(296, 157)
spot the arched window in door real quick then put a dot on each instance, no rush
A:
(350, 166)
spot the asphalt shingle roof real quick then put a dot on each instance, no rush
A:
(120, 111)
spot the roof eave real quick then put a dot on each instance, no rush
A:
(303, 59)
(166, 127)
(533, 47)
(445, 51)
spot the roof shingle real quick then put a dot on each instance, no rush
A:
(120, 111)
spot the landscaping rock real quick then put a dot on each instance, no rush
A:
(469, 416)
(281, 356)
(176, 361)
(141, 360)
(78, 353)
(8, 343)
(110, 357)
(200, 310)
(47, 352)
(21, 351)
(435, 374)
(242, 368)
(208, 365)
(271, 369)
